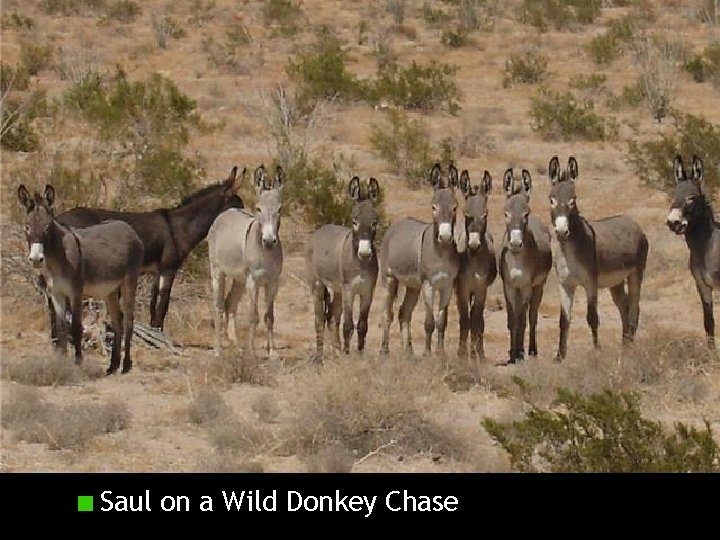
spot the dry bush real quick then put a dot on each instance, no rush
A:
(266, 408)
(656, 61)
(236, 367)
(229, 434)
(332, 459)
(49, 371)
(34, 420)
(229, 462)
(207, 405)
(369, 405)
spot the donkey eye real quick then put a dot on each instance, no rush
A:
(257, 209)
(690, 200)
(525, 215)
(484, 216)
(553, 202)
(571, 202)
(355, 224)
(434, 208)
(507, 215)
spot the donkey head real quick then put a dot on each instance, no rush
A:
(364, 216)
(444, 205)
(475, 208)
(688, 199)
(39, 217)
(563, 200)
(517, 208)
(269, 204)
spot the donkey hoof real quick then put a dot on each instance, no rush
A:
(558, 358)
(109, 371)
(126, 369)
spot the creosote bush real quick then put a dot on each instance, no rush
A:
(706, 66)
(528, 67)
(558, 14)
(284, 15)
(603, 432)
(559, 116)
(607, 47)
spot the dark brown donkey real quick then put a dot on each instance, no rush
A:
(101, 261)
(168, 234)
(692, 216)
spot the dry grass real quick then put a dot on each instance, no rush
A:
(230, 434)
(35, 420)
(266, 408)
(207, 405)
(235, 367)
(332, 459)
(49, 371)
(229, 462)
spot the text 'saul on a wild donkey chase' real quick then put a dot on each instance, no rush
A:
(280, 501)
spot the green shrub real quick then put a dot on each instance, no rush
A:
(558, 14)
(396, 8)
(202, 12)
(123, 11)
(405, 144)
(529, 67)
(592, 82)
(72, 7)
(17, 21)
(653, 160)
(697, 67)
(606, 48)
(706, 66)
(434, 16)
(285, 14)
(164, 27)
(603, 432)
(559, 116)
(35, 58)
(238, 35)
(16, 78)
(422, 87)
(320, 73)
(17, 134)
(454, 39)
(631, 96)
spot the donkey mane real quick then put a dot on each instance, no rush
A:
(201, 192)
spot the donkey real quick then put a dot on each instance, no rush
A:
(245, 250)
(101, 261)
(422, 256)
(692, 216)
(478, 268)
(525, 262)
(598, 254)
(344, 261)
(168, 234)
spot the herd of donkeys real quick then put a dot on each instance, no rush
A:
(91, 252)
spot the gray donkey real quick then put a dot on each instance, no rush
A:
(344, 261)
(478, 267)
(692, 216)
(598, 254)
(525, 262)
(422, 256)
(245, 250)
(101, 261)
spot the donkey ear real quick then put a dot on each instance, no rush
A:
(373, 190)
(260, 175)
(24, 197)
(508, 182)
(526, 182)
(279, 177)
(554, 170)
(454, 181)
(697, 170)
(465, 183)
(49, 196)
(354, 188)
(231, 181)
(678, 169)
(486, 184)
(572, 168)
(436, 176)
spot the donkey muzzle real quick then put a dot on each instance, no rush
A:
(269, 237)
(37, 254)
(474, 240)
(516, 240)
(676, 222)
(562, 227)
(364, 251)
(445, 235)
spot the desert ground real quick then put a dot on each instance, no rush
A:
(186, 410)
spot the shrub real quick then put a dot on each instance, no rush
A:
(606, 48)
(17, 21)
(454, 39)
(238, 35)
(559, 116)
(652, 160)
(404, 143)
(202, 12)
(434, 16)
(396, 8)
(706, 66)
(123, 11)
(165, 27)
(422, 87)
(266, 408)
(528, 67)
(72, 7)
(285, 14)
(207, 405)
(16, 78)
(603, 432)
(560, 14)
(320, 73)
(16, 132)
(592, 82)
(631, 96)
(655, 60)
(43, 371)
(35, 58)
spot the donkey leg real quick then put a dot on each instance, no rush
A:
(127, 294)
(253, 319)
(442, 316)
(231, 307)
(510, 309)
(218, 286)
(167, 278)
(535, 300)
(76, 327)
(154, 291)
(477, 323)
(592, 314)
(336, 309)
(391, 294)
(53, 321)
(621, 301)
(633, 309)
(705, 293)
(270, 293)
(362, 325)
(409, 302)
(319, 298)
(567, 295)
(428, 294)
(522, 302)
(461, 298)
(348, 323)
(112, 303)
